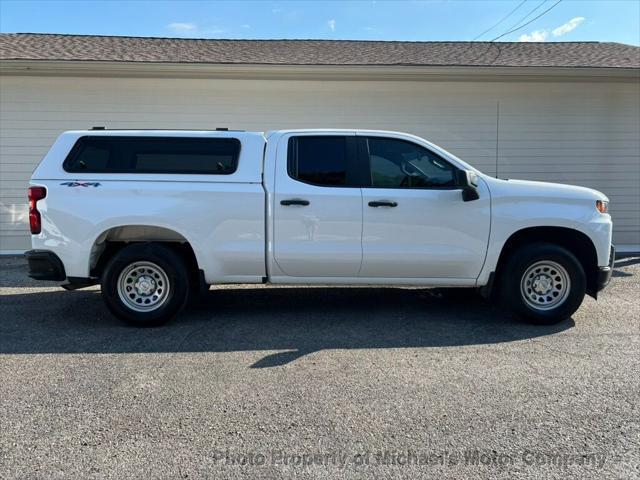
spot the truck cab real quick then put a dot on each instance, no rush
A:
(377, 206)
(154, 215)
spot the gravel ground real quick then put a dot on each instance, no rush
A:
(317, 383)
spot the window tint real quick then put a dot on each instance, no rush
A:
(102, 154)
(400, 164)
(95, 156)
(318, 160)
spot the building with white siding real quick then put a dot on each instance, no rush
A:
(561, 112)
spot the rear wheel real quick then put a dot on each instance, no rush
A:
(543, 282)
(145, 284)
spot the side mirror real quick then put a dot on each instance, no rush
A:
(468, 181)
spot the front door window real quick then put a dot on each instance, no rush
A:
(400, 164)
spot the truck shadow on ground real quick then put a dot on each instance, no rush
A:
(624, 262)
(291, 321)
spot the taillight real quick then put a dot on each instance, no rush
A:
(35, 222)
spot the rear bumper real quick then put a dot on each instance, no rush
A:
(604, 273)
(45, 265)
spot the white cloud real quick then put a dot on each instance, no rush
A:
(541, 35)
(535, 36)
(178, 27)
(332, 25)
(246, 25)
(567, 27)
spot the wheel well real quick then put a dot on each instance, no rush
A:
(574, 241)
(115, 239)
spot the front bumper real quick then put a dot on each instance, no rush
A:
(45, 265)
(604, 273)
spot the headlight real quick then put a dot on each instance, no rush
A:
(602, 206)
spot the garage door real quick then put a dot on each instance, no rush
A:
(585, 133)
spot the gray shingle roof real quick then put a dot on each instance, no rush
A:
(27, 46)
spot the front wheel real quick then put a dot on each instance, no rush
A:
(543, 283)
(145, 284)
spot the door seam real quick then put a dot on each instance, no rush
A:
(361, 232)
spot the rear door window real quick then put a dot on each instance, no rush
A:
(176, 155)
(322, 160)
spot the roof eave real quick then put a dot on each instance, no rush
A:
(317, 72)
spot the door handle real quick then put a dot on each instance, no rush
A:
(383, 203)
(294, 201)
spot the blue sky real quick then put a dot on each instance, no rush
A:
(569, 20)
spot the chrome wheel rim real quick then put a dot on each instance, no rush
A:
(143, 286)
(545, 285)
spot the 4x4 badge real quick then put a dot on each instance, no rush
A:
(81, 184)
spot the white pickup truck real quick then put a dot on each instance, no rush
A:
(155, 215)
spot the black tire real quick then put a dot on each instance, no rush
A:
(167, 277)
(560, 297)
